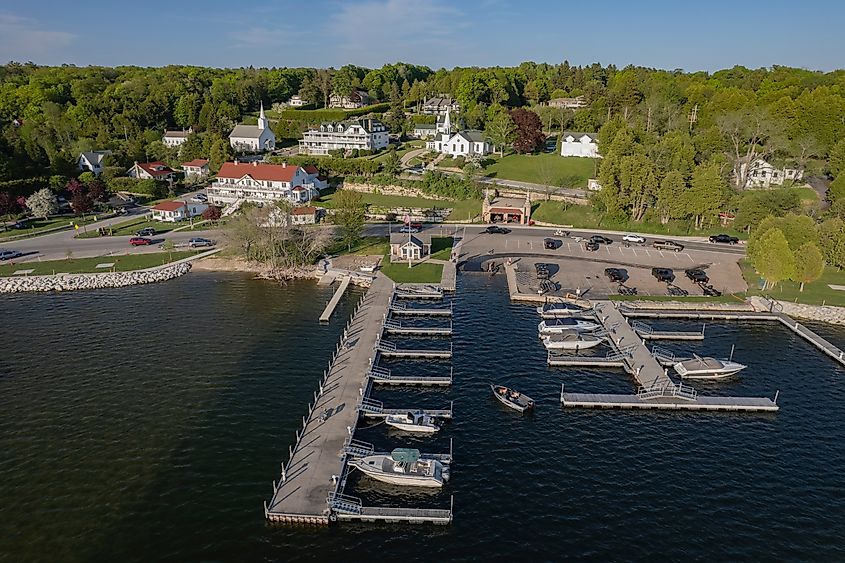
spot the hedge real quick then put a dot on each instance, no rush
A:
(24, 187)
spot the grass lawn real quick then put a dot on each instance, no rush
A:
(585, 217)
(816, 293)
(366, 246)
(808, 196)
(441, 247)
(37, 226)
(419, 273)
(382, 200)
(134, 225)
(464, 210)
(82, 265)
(543, 168)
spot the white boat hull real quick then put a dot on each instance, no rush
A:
(373, 466)
(411, 427)
(580, 326)
(551, 344)
(727, 369)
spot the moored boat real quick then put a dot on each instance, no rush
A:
(571, 340)
(513, 399)
(560, 310)
(553, 326)
(707, 368)
(412, 422)
(403, 466)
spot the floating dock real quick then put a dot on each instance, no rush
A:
(382, 376)
(611, 360)
(349, 508)
(646, 332)
(402, 309)
(396, 327)
(418, 291)
(635, 402)
(390, 350)
(332, 304)
(371, 408)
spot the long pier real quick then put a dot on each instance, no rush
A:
(315, 462)
(332, 304)
(635, 402)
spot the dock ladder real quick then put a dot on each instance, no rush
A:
(345, 504)
(371, 406)
(357, 448)
(386, 346)
(379, 373)
(662, 355)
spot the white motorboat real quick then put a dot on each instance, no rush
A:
(571, 340)
(412, 422)
(554, 326)
(403, 467)
(559, 310)
(707, 368)
(513, 399)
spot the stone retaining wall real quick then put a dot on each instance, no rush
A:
(391, 190)
(688, 305)
(72, 282)
(824, 313)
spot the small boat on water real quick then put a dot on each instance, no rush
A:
(571, 340)
(553, 326)
(513, 399)
(403, 466)
(560, 310)
(412, 422)
(707, 368)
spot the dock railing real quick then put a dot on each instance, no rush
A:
(346, 504)
(377, 372)
(662, 354)
(667, 390)
(358, 448)
(641, 327)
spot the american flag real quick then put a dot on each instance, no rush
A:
(406, 218)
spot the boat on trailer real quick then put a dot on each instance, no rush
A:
(511, 398)
(560, 310)
(412, 422)
(571, 340)
(403, 466)
(707, 368)
(554, 326)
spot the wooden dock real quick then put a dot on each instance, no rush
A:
(611, 360)
(372, 408)
(646, 332)
(418, 291)
(332, 304)
(390, 350)
(396, 327)
(448, 280)
(631, 402)
(383, 376)
(401, 309)
(349, 508)
(315, 462)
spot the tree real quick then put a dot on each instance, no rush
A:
(221, 151)
(8, 204)
(706, 193)
(832, 241)
(349, 216)
(393, 163)
(212, 213)
(670, 196)
(809, 264)
(324, 85)
(752, 134)
(772, 257)
(97, 191)
(42, 203)
(501, 131)
(529, 131)
(80, 202)
(836, 158)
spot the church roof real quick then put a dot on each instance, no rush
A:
(246, 131)
(472, 135)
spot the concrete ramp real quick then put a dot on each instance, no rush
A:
(330, 307)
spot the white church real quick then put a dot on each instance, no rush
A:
(468, 142)
(253, 138)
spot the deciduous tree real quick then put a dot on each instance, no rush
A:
(349, 216)
(529, 131)
(501, 131)
(42, 203)
(809, 264)
(772, 257)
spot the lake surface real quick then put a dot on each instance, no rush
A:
(147, 423)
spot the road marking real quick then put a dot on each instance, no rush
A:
(690, 257)
(634, 251)
(647, 253)
(661, 253)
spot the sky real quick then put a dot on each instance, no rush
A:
(683, 34)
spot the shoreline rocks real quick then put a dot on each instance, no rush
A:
(74, 282)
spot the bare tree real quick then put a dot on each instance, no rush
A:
(752, 134)
(807, 147)
(324, 83)
(546, 174)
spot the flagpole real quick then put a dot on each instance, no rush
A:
(409, 239)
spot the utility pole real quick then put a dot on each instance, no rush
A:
(693, 116)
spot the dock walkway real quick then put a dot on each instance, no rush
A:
(332, 304)
(307, 478)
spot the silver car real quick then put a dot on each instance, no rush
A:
(197, 242)
(9, 254)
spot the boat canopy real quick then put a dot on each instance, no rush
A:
(405, 455)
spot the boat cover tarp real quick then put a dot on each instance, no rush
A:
(405, 455)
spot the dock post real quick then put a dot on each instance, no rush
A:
(284, 477)
(349, 430)
(450, 449)
(274, 486)
(561, 392)
(290, 453)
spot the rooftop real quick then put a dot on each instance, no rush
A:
(257, 171)
(169, 206)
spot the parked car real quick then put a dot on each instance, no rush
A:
(697, 275)
(496, 230)
(542, 271)
(663, 274)
(140, 241)
(197, 242)
(676, 291)
(591, 246)
(616, 274)
(199, 198)
(9, 254)
(710, 291)
(723, 238)
(636, 239)
(667, 245)
(409, 229)
(599, 239)
(146, 232)
(551, 243)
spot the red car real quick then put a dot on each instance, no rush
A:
(140, 241)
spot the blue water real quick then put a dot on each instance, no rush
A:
(145, 424)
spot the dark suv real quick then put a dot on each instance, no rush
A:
(551, 243)
(495, 230)
(616, 274)
(663, 274)
(723, 238)
(599, 239)
(542, 271)
(697, 275)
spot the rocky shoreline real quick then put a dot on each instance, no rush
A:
(74, 282)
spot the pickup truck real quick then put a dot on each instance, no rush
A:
(667, 245)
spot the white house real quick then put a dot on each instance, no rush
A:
(173, 211)
(264, 183)
(442, 126)
(439, 105)
(197, 168)
(150, 171)
(469, 142)
(303, 215)
(568, 103)
(253, 138)
(413, 247)
(297, 102)
(356, 99)
(363, 134)
(580, 144)
(92, 161)
(174, 138)
(761, 174)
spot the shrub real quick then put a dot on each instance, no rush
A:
(134, 186)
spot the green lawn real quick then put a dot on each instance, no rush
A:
(543, 168)
(585, 217)
(82, 265)
(366, 246)
(808, 196)
(419, 273)
(461, 210)
(441, 247)
(134, 225)
(816, 293)
(37, 226)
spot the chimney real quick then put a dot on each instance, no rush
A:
(236, 162)
(284, 165)
(255, 163)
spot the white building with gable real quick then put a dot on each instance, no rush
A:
(762, 174)
(253, 138)
(363, 134)
(264, 183)
(584, 145)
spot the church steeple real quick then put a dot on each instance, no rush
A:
(447, 123)
(262, 119)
